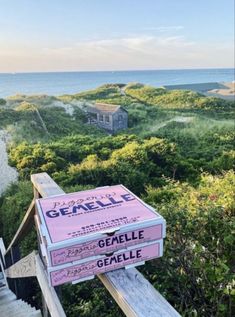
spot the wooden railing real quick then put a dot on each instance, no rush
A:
(132, 292)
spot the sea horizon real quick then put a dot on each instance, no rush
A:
(70, 82)
(113, 70)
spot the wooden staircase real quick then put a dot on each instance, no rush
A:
(10, 306)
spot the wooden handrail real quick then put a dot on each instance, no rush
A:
(45, 185)
(49, 188)
(132, 292)
(25, 226)
(135, 295)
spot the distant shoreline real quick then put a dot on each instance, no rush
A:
(60, 83)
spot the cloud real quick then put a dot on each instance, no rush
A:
(142, 44)
(164, 28)
(130, 52)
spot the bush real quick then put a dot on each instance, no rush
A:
(196, 271)
(2, 102)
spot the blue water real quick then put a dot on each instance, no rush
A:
(73, 82)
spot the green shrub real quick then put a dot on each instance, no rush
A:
(195, 272)
(2, 102)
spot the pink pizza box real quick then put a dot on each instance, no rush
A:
(87, 269)
(99, 246)
(80, 225)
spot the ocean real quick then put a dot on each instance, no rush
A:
(59, 83)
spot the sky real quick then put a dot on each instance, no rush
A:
(96, 35)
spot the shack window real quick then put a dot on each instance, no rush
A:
(93, 116)
(107, 119)
(120, 117)
(101, 117)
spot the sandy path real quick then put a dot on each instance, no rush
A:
(8, 174)
(175, 119)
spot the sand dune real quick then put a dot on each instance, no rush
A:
(228, 90)
(221, 90)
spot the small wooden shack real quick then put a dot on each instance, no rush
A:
(109, 117)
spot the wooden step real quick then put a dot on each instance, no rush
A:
(11, 307)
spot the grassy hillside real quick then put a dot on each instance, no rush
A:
(177, 154)
(45, 119)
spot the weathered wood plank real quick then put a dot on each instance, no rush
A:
(3, 251)
(52, 301)
(45, 185)
(2, 246)
(2, 261)
(132, 292)
(25, 226)
(30, 266)
(25, 267)
(135, 295)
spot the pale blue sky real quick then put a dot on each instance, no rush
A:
(73, 35)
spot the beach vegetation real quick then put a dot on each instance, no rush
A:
(177, 154)
(2, 102)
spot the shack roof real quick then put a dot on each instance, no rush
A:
(104, 107)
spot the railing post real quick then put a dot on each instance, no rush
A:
(21, 288)
(8, 263)
(45, 311)
(3, 262)
(13, 257)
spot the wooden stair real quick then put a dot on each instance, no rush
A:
(10, 306)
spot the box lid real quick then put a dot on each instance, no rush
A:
(99, 210)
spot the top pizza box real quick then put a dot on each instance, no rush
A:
(84, 216)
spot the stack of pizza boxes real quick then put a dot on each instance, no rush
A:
(95, 231)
